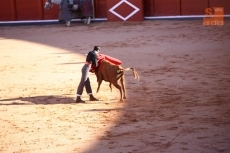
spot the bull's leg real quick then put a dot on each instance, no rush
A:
(123, 87)
(110, 85)
(99, 84)
(119, 87)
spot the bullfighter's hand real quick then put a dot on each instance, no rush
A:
(92, 70)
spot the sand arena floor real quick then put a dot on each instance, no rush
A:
(181, 103)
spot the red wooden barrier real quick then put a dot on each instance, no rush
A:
(193, 7)
(127, 10)
(221, 3)
(29, 10)
(149, 8)
(51, 13)
(166, 7)
(12, 10)
(7, 10)
(100, 8)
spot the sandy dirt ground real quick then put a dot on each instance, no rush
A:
(181, 103)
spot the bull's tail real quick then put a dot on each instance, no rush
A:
(135, 74)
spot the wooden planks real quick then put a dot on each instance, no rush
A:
(7, 10)
(29, 10)
(166, 7)
(221, 3)
(51, 13)
(129, 10)
(13, 10)
(193, 7)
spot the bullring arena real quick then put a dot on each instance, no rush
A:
(181, 103)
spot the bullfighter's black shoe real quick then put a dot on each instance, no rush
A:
(92, 98)
(79, 100)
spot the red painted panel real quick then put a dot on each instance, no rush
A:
(125, 10)
(29, 10)
(221, 3)
(51, 13)
(148, 7)
(193, 7)
(167, 7)
(7, 10)
(100, 7)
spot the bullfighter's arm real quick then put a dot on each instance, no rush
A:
(94, 60)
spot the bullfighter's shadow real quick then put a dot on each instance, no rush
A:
(38, 100)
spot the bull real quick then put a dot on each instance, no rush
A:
(114, 74)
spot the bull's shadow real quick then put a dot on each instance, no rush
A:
(42, 100)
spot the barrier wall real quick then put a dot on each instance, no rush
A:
(148, 7)
(182, 7)
(27, 10)
(100, 8)
(7, 10)
(131, 10)
(49, 14)
(194, 7)
(15, 10)
(221, 3)
(166, 7)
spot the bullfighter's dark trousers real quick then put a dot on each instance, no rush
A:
(84, 81)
